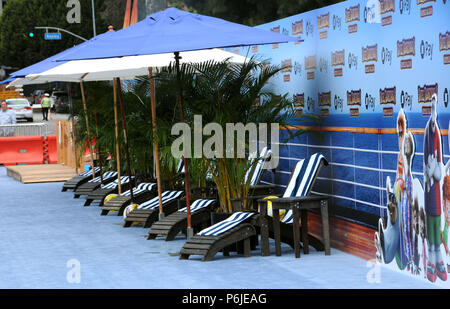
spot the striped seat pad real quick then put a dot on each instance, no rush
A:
(288, 217)
(227, 224)
(303, 176)
(106, 176)
(166, 197)
(89, 173)
(145, 186)
(258, 168)
(115, 183)
(180, 167)
(197, 205)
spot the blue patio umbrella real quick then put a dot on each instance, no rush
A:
(173, 30)
(8, 80)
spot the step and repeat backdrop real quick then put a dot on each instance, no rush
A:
(378, 72)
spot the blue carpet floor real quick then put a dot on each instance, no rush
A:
(43, 230)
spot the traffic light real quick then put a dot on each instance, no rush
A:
(31, 30)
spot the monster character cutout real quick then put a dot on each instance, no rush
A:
(432, 155)
(446, 209)
(387, 239)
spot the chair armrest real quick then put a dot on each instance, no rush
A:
(309, 201)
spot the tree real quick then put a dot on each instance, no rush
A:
(19, 50)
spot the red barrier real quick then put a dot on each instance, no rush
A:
(21, 149)
(52, 149)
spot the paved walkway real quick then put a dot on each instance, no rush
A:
(45, 233)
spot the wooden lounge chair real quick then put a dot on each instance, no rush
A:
(93, 184)
(171, 225)
(74, 182)
(104, 190)
(148, 212)
(297, 191)
(222, 236)
(143, 192)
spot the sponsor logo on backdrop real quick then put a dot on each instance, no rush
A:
(286, 66)
(276, 30)
(353, 28)
(324, 99)
(444, 41)
(299, 100)
(386, 56)
(338, 72)
(354, 97)
(426, 50)
(404, 6)
(310, 75)
(297, 27)
(338, 103)
(420, 2)
(323, 64)
(372, 12)
(406, 48)
(310, 64)
(387, 96)
(446, 59)
(426, 111)
(352, 15)
(426, 11)
(324, 112)
(444, 45)
(445, 98)
(297, 68)
(323, 21)
(424, 93)
(354, 112)
(386, 7)
(369, 54)
(310, 103)
(406, 99)
(337, 21)
(338, 58)
(285, 31)
(352, 61)
(388, 111)
(309, 29)
(369, 102)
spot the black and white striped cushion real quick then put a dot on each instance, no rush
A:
(197, 205)
(166, 197)
(106, 176)
(145, 186)
(227, 224)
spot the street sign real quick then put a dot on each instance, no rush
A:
(52, 36)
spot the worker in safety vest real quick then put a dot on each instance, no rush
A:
(45, 104)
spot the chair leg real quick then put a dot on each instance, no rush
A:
(305, 240)
(247, 251)
(104, 212)
(325, 226)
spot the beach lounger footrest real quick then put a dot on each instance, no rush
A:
(209, 246)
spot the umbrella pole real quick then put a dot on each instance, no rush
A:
(155, 142)
(124, 127)
(116, 128)
(190, 231)
(98, 147)
(83, 98)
